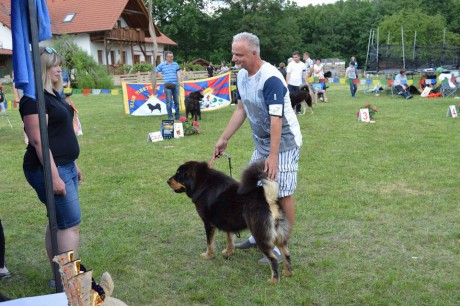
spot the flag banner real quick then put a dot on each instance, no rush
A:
(139, 101)
(216, 91)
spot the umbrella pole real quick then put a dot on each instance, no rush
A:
(33, 24)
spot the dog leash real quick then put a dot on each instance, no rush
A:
(229, 161)
(237, 234)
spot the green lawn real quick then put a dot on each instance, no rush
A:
(377, 208)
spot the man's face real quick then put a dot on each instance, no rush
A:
(296, 58)
(241, 55)
(169, 58)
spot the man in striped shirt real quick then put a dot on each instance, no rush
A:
(172, 79)
(263, 99)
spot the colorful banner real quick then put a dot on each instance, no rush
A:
(139, 101)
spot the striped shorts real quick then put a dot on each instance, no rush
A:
(287, 171)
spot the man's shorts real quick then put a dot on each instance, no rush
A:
(68, 213)
(287, 170)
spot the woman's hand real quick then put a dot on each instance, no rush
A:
(59, 186)
(80, 174)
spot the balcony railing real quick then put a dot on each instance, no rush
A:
(120, 34)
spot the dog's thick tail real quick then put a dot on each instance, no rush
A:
(254, 177)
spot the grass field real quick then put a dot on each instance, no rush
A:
(377, 208)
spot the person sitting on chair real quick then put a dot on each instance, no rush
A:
(401, 86)
(422, 84)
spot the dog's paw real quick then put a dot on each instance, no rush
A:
(228, 253)
(206, 255)
(288, 273)
(273, 281)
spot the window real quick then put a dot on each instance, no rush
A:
(123, 57)
(99, 57)
(136, 59)
(112, 57)
(69, 17)
(148, 59)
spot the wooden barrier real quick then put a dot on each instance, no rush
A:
(144, 77)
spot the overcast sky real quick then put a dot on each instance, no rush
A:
(313, 2)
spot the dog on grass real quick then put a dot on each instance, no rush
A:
(192, 105)
(303, 98)
(224, 204)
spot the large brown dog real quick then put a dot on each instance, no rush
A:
(224, 204)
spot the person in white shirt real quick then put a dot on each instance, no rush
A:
(308, 64)
(318, 69)
(350, 73)
(295, 74)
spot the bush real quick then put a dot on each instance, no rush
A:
(82, 68)
(142, 68)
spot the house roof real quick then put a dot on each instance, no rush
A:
(6, 52)
(5, 10)
(162, 39)
(92, 16)
(200, 61)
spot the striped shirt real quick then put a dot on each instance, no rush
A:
(169, 72)
(263, 95)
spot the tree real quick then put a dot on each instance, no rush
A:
(429, 28)
(83, 69)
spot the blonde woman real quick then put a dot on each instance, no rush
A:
(64, 151)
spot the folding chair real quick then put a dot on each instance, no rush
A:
(366, 85)
(3, 113)
(390, 87)
(447, 90)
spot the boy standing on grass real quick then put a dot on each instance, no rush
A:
(350, 73)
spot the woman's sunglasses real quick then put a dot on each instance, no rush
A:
(48, 50)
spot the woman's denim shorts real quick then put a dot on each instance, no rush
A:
(68, 213)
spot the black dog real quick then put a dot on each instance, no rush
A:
(192, 105)
(303, 98)
(154, 107)
(224, 204)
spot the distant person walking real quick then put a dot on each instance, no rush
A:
(350, 73)
(295, 74)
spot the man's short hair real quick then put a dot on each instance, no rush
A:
(296, 53)
(251, 39)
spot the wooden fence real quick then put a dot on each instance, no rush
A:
(144, 77)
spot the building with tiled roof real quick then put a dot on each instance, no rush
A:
(113, 32)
